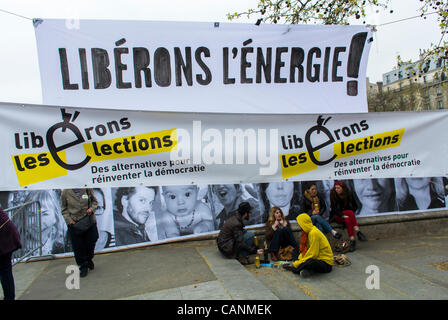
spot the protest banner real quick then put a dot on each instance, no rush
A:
(203, 67)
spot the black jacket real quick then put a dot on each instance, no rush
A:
(127, 232)
(307, 205)
(339, 205)
(229, 240)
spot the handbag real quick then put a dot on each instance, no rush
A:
(84, 224)
(285, 254)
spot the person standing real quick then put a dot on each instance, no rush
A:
(75, 205)
(233, 240)
(343, 208)
(9, 242)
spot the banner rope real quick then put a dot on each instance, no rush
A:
(379, 25)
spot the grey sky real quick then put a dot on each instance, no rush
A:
(19, 72)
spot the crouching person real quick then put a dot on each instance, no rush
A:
(233, 240)
(316, 255)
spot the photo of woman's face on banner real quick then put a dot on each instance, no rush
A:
(131, 216)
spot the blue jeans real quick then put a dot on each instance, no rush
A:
(247, 238)
(321, 223)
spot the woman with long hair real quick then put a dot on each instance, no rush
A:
(53, 228)
(343, 208)
(278, 233)
(284, 195)
(314, 204)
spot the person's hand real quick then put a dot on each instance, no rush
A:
(344, 217)
(275, 225)
(260, 251)
(71, 223)
(89, 212)
(315, 212)
(284, 223)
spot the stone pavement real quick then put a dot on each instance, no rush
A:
(410, 267)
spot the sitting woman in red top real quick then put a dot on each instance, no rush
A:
(343, 208)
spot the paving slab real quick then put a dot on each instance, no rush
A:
(411, 268)
(124, 274)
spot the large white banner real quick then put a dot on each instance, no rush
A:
(46, 147)
(203, 67)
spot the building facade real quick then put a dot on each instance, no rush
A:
(412, 86)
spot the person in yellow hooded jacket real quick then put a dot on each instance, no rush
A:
(316, 255)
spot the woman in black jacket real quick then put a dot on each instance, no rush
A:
(343, 208)
(278, 233)
(314, 205)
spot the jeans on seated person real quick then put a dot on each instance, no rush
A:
(247, 238)
(321, 223)
(282, 238)
(313, 265)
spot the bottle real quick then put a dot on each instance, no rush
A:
(266, 256)
(257, 262)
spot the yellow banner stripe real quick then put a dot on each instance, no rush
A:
(297, 163)
(35, 167)
(368, 144)
(132, 146)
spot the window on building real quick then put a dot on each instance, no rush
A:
(440, 103)
(439, 90)
(400, 75)
(424, 79)
(387, 79)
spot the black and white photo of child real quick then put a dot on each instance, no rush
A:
(183, 212)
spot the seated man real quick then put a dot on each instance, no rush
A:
(233, 240)
(315, 251)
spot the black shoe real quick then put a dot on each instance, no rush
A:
(244, 261)
(337, 235)
(91, 265)
(288, 266)
(352, 245)
(83, 272)
(305, 273)
(361, 236)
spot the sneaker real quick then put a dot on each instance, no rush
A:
(337, 235)
(352, 245)
(83, 272)
(91, 265)
(361, 236)
(305, 273)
